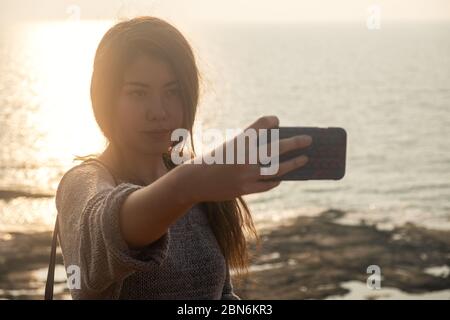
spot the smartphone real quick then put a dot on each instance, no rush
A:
(326, 153)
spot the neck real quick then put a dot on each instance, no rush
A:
(145, 168)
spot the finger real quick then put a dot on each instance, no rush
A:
(265, 122)
(287, 144)
(287, 166)
(295, 142)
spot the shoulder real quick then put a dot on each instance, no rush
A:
(90, 171)
(83, 181)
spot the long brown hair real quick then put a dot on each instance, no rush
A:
(231, 220)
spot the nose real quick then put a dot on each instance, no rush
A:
(155, 110)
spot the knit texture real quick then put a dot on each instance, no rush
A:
(185, 263)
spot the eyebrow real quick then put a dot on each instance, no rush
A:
(145, 85)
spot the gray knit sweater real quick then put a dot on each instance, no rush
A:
(185, 263)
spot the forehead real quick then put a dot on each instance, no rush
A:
(149, 70)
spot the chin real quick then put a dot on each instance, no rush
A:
(153, 149)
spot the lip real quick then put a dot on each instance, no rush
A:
(155, 131)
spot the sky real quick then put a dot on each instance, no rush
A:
(226, 10)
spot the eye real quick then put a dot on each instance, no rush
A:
(173, 92)
(137, 93)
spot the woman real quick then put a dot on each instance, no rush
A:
(133, 223)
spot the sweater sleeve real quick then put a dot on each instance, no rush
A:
(88, 205)
(228, 293)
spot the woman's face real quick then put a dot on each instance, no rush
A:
(149, 106)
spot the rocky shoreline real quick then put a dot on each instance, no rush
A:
(310, 258)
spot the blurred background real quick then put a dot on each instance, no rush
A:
(381, 70)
